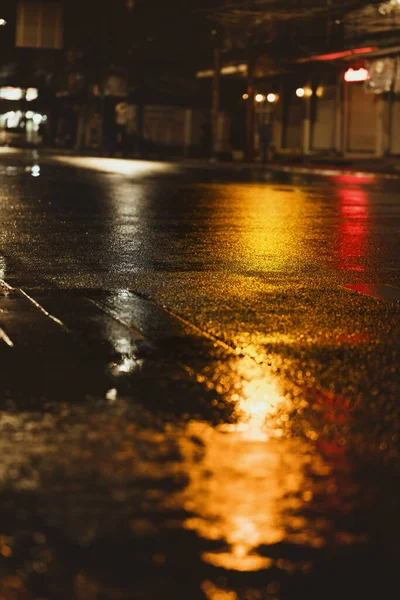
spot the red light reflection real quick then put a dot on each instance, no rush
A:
(355, 179)
(353, 229)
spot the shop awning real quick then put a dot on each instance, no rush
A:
(351, 54)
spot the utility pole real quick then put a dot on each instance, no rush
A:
(307, 119)
(215, 102)
(250, 112)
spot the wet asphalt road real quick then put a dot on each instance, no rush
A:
(200, 385)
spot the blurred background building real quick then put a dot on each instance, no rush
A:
(109, 77)
(325, 74)
(201, 78)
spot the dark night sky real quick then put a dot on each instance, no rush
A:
(155, 30)
(171, 30)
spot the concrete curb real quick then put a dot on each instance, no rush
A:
(328, 172)
(325, 171)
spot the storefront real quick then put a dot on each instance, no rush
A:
(323, 119)
(293, 113)
(20, 119)
(395, 125)
(360, 118)
(350, 107)
(394, 118)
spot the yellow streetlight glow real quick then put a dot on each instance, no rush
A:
(3, 22)
(245, 96)
(272, 97)
(260, 98)
(304, 92)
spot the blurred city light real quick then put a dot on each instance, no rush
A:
(272, 98)
(352, 75)
(13, 118)
(231, 69)
(11, 93)
(3, 22)
(245, 96)
(259, 98)
(204, 74)
(117, 165)
(226, 70)
(304, 92)
(17, 93)
(31, 94)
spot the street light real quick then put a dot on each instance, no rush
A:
(259, 98)
(3, 22)
(304, 92)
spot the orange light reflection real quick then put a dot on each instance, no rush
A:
(246, 489)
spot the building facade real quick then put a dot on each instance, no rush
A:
(348, 107)
(329, 87)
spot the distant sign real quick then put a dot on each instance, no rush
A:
(382, 74)
(353, 75)
(115, 86)
(40, 25)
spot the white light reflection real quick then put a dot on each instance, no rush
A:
(128, 362)
(115, 165)
(2, 267)
(112, 395)
(8, 150)
(127, 365)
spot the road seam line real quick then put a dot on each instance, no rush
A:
(372, 291)
(5, 338)
(6, 285)
(41, 308)
(34, 302)
(111, 314)
(206, 334)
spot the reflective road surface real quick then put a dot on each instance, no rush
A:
(200, 382)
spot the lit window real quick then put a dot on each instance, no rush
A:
(11, 93)
(31, 94)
